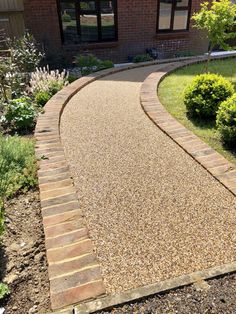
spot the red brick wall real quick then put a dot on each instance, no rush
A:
(136, 31)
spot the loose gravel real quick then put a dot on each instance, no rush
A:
(152, 211)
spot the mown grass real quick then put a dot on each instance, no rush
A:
(171, 92)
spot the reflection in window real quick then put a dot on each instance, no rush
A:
(88, 21)
(173, 15)
(180, 20)
(165, 15)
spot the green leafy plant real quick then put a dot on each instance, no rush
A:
(17, 166)
(20, 113)
(89, 64)
(218, 21)
(142, 58)
(226, 120)
(41, 98)
(66, 18)
(25, 53)
(203, 97)
(4, 290)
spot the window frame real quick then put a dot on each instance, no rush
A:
(174, 8)
(97, 12)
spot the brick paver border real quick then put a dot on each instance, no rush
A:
(219, 167)
(74, 272)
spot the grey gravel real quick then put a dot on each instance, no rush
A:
(152, 211)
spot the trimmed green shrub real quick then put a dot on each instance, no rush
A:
(106, 64)
(142, 58)
(20, 113)
(203, 97)
(41, 98)
(226, 120)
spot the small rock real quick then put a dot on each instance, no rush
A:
(9, 279)
(201, 285)
(33, 309)
(10, 266)
(39, 257)
(14, 247)
(15, 308)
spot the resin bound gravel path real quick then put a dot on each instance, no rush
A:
(152, 211)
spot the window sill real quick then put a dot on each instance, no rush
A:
(172, 35)
(95, 45)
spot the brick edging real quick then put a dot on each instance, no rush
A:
(219, 167)
(74, 272)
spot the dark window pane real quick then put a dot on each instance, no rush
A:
(182, 3)
(69, 25)
(165, 14)
(88, 27)
(180, 20)
(107, 19)
(87, 5)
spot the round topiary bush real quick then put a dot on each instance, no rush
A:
(203, 97)
(226, 120)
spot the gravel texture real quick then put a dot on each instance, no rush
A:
(152, 211)
(217, 298)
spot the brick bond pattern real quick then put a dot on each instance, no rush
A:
(74, 272)
(133, 38)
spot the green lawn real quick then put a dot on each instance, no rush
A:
(170, 93)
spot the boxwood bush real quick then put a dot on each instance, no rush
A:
(203, 97)
(226, 120)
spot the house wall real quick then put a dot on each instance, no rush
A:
(136, 31)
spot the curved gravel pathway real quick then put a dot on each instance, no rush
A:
(152, 211)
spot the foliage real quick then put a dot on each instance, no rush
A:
(203, 97)
(226, 120)
(66, 18)
(72, 77)
(171, 91)
(12, 82)
(142, 58)
(24, 53)
(44, 80)
(89, 64)
(41, 98)
(19, 113)
(17, 165)
(4, 290)
(218, 21)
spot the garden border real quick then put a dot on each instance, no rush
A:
(218, 166)
(74, 272)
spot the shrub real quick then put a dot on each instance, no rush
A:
(24, 52)
(41, 98)
(66, 18)
(44, 80)
(20, 113)
(142, 58)
(203, 97)
(226, 120)
(89, 64)
(72, 77)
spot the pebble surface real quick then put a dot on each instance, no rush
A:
(152, 211)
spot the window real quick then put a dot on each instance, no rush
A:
(173, 15)
(88, 21)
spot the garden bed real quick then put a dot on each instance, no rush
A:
(22, 257)
(171, 92)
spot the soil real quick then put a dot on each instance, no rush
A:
(22, 257)
(217, 296)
